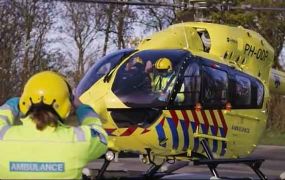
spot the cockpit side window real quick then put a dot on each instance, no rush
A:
(191, 86)
(215, 87)
(258, 93)
(247, 92)
(242, 95)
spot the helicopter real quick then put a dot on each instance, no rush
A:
(158, 129)
(226, 74)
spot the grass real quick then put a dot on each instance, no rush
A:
(273, 137)
(275, 133)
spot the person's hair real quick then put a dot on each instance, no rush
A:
(43, 117)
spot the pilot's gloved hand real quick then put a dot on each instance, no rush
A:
(13, 103)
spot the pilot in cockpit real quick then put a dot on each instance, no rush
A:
(163, 79)
(138, 78)
(136, 64)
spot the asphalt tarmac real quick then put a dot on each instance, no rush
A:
(132, 168)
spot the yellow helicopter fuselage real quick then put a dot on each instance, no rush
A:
(231, 129)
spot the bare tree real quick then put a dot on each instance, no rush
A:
(156, 18)
(106, 29)
(36, 20)
(23, 49)
(84, 21)
(118, 26)
(124, 19)
(10, 40)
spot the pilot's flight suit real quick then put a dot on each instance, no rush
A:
(165, 85)
(62, 152)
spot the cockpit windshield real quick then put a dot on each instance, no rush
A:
(101, 68)
(147, 78)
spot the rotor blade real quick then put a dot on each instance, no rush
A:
(249, 7)
(191, 5)
(133, 3)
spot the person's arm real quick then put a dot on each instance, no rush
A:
(9, 111)
(87, 116)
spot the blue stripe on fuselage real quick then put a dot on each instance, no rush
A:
(161, 135)
(174, 133)
(186, 135)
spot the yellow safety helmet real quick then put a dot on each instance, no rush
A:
(137, 60)
(48, 89)
(163, 64)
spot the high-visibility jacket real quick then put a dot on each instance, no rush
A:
(165, 85)
(54, 153)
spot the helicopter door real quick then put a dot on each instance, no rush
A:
(215, 87)
(203, 84)
(191, 86)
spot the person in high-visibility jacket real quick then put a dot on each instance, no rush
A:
(163, 80)
(43, 147)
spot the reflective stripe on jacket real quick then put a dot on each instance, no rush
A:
(54, 153)
(163, 85)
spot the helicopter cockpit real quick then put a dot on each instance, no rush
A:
(139, 84)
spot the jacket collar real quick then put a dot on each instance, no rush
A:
(28, 122)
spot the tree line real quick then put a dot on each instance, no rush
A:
(68, 37)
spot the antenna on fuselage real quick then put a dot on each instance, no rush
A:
(185, 35)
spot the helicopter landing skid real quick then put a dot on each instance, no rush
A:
(103, 169)
(154, 167)
(213, 163)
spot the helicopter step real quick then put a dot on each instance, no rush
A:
(213, 163)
